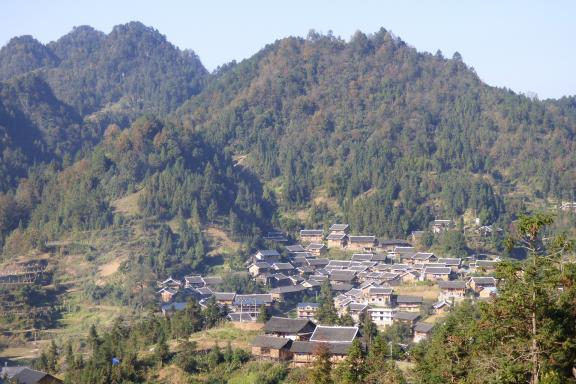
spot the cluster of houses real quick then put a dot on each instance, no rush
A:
(298, 341)
(364, 284)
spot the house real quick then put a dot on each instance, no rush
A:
(242, 317)
(26, 375)
(487, 292)
(343, 276)
(478, 283)
(167, 294)
(423, 258)
(409, 277)
(437, 273)
(283, 293)
(171, 283)
(484, 265)
(256, 300)
(379, 296)
(439, 226)
(267, 255)
(362, 257)
(441, 306)
(282, 268)
(272, 347)
(409, 318)
(422, 331)
(343, 229)
(408, 303)
(356, 309)
(304, 352)
(318, 263)
(212, 281)
(294, 329)
(453, 263)
(316, 249)
(417, 236)
(195, 281)
(224, 298)
(295, 248)
(311, 235)
(389, 245)
(450, 290)
(362, 243)
(168, 309)
(382, 316)
(258, 268)
(278, 280)
(307, 310)
(337, 240)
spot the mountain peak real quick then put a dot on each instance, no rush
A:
(24, 54)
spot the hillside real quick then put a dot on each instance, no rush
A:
(57, 98)
(374, 123)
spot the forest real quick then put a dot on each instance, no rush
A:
(306, 132)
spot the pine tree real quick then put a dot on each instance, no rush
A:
(326, 314)
(262, 314)
(353, 368)
(321, 371)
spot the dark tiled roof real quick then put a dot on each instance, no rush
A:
(304, 305)
(423, 327)
(286, 325)
(484, 280)
(342, 275)
(334, 334)
(336, 236)
(438, 270)
(422, 256)
(255, 299)
(454, 261)
(311, 232)
(271, 342)
(395, 242)
(288, 289)
(212, 280)
(379, 291)
(339, 227)
(362, 257)
(226, 296)
(313, 246)
(318, 262)
(362, 239)
(282, 266)
(295, 248)
(405, 299)
(452, 284)
(409, 316)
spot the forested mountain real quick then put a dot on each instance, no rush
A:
(373, 118)
(59, 97)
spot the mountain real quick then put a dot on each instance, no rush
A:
(396, 136)
(58, 98)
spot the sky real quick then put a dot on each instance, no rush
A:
(527, 46)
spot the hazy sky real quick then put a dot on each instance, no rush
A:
(527, 46)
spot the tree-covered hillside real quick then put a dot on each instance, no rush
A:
(57, 98)
(397, 136)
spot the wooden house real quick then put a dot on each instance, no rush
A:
(409, 318)
(362, 243)
(307, 310)
(380, 296)
(423, 258)
(258, 268)
(268, 255)
(224, 298)
(453, 263)
(437, 273)
(408, 303)
(439, 226)
(478, 283)
(26, 375)
(337, 240)
(452, 290)
(272, 348)
(343, 229)
(167, 294)
(422, 331)
(283, 293)
(294, 329)
(316, 249)
(311, 235)
(304, 352)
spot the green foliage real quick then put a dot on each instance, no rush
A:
(326, 313)
(525, 333)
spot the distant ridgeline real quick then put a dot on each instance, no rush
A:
(369, 130)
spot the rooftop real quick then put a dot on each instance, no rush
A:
(271, 342)
(286, 325)
(334, 334)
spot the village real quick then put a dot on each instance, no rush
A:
(369, 283)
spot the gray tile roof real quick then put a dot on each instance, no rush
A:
(286, 325)
(338, 227)
(406, 299)
(452, 284)
(423, 327)
(334, 334)
(311, 232)
(271, 342)
(409, 316)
